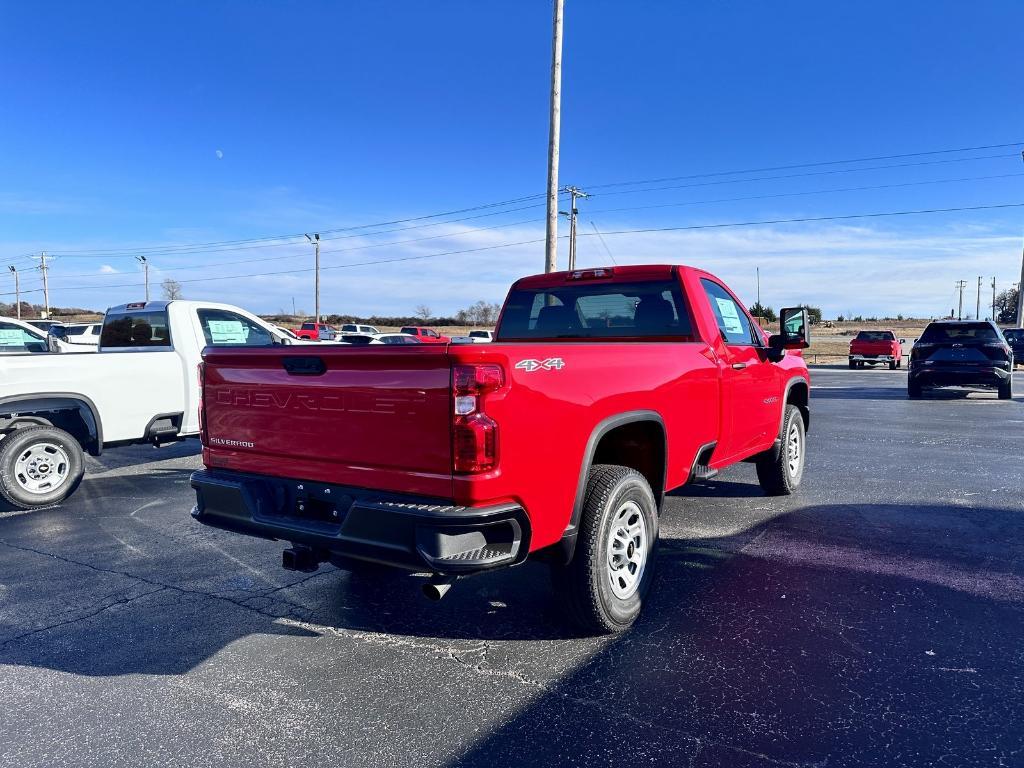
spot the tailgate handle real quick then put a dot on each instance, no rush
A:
(304, 366)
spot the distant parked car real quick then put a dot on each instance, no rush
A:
(481, 337)
(875, 347)
(316, 332)
(426, 335)
(356, 328)
(1015, 338)
(44, 325)
(79, 337)
(955, 353)
(378, 338)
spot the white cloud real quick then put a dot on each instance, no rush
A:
(220, 154)
(106, 269)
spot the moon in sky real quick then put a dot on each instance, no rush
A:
(220, 154)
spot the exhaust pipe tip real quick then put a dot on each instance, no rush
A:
(437, 589)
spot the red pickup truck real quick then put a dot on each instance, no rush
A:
(316, 332)
(603, 390)
(426, 335)
(876, 347)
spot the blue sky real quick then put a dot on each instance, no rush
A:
(128, 125)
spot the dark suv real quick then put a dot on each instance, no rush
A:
(954, 353)
(1015, 338)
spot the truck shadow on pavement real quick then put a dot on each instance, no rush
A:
(790, 641)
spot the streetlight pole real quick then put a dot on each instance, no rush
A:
(145, 267)
(554, 133)
(315, 240)
(960, 285)
(977, 305)
(1020, 293)
(17, 288)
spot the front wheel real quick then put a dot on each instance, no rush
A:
(604, 585)
(913, 390)
(780, 468)
(1006, 390)
(39, 466)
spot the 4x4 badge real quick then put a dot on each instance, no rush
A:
(551, 364)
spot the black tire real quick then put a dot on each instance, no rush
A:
(892, 365)
(1006, 390)
(585, 586)
(39, 466)
(913, 390)
(778, 475)
(899, 363)
(853, 364)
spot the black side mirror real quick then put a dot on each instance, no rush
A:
(794, 328)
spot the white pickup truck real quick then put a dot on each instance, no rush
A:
(142, 386)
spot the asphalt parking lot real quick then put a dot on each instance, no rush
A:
(875, 618)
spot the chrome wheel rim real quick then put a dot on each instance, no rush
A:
(627, 549)
(794, 449)
(42, 468)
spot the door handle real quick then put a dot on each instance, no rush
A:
(738, 366)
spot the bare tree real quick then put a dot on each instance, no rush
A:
(423, 312)
(171, 289)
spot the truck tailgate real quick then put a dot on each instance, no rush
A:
(368, 417)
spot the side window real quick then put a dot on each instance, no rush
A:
(136, 329)
(732, 320)
(223, 328)
(430, 333)
(16, 339)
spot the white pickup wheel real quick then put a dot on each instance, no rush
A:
(39, 466)
(611, 570)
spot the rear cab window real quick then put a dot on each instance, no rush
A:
(641, 310)
(875, 336)
(223, 328)
(135, 329)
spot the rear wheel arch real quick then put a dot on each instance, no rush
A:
(634, 439)
(74, 413)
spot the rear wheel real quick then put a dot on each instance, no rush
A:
(892, 365)
(780, 468)
(1006, 389)
(853, 364)
(913, 389)
(39, 466)
(604, 585)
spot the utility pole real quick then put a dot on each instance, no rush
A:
(17, 288)
(960, 285)
(554, 133)
(977, 306)
(993, 299)
(574, 192)
(46, 285)
(1020, 293)
(758, 290)
(315, 240)
(145, 267)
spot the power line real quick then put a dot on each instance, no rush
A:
(355, 230)
(803, 219)
(808, 165)
(811, 219)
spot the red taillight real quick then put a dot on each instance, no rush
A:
(201, 371)
(474, 433)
